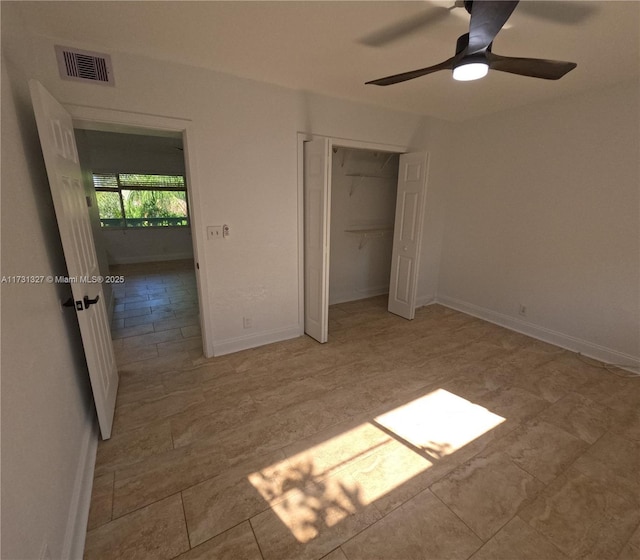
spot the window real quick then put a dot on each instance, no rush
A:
(137, 200)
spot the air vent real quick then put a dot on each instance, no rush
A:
(84, 66)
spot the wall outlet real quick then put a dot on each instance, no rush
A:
(214, 232)
(522, 310)
(247, 322)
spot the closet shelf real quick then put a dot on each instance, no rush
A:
(369, 233)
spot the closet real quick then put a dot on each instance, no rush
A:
(363, 203)
(362, 212)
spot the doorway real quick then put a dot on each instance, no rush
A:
(108, 120)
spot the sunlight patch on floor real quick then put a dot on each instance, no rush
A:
(320, 486)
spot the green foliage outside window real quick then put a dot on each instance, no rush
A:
(137, 200)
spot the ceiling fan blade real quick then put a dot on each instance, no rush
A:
(397, 78)
(406, 27)
(533, 67)
(487, 19)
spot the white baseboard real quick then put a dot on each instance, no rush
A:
(75, 533)
(359, 294)
(150, 258)
(252, 341)
(556, 338)
(422, 301)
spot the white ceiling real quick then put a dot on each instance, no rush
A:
(318, 46)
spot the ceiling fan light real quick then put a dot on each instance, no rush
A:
(470, 71)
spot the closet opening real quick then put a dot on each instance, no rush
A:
(362, 210)
(363, 207)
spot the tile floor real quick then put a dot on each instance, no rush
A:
(443, 437)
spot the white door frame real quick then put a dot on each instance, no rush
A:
(93, 118)
(337, 142)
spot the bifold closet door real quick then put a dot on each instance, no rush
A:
(317, 207)
(405, 258)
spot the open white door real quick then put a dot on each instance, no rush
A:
(55, 129)
(412, 188)
(316, 238)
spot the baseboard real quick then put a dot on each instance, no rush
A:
(359, 294)
(422, 301)
(231, 345)
(75, 533)
(544, 334)
(150, 258)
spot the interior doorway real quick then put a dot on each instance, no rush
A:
(136, 189)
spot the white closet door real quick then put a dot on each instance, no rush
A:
(317, 208)
(55, 129)
(405, 258)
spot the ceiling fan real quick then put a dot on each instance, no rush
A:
(474, 57)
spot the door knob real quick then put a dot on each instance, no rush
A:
(88, 302)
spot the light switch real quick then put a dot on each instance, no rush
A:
(214, 232)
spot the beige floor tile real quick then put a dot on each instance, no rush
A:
(139, 388)
(147, 318)
(222, 502)
(163, 475)
(208, 422)
(310, 521)
(631, 551)
(152, 338)
(155, 532)
(335, 554)
(541, 449)
(614, 461)
(151, 411)
(299, 424)
(183, 345)
(238, 543)
(126, 355)
(421, 528)
(176, 323)
(518, 541)
(151, 302)
(582, 517)
(394, 473)
(628, 424)
(128, 447)
(101, 501)
(579, 416)
(337, 448)
(486, 492)
(192, 331)
(161, 364)
(131, 331)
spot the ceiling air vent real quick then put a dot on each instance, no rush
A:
(84, 66)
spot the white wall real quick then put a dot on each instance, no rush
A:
(48, 436)
(360, 269)
(244, 146)
(542, 209)
(136, 245)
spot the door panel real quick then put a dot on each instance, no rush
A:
(316, 239)
(405, 258)
(55, 129)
